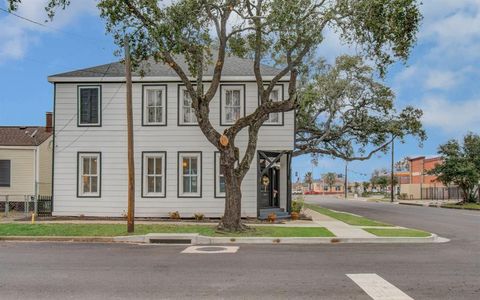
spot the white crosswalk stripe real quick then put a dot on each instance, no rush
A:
(378, 288)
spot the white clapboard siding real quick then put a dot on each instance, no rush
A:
(110, 139)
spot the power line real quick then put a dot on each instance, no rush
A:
(49, 27)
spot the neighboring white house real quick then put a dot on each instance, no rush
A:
(26, 160)
(176, 168)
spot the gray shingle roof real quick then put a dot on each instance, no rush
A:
(234, 66)
(23, 136)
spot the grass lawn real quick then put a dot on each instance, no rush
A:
(345, 217)
(12, 229)
(474, 206)
(397, 232)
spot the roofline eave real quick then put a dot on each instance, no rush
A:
(225, 78)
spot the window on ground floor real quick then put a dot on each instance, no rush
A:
(154, 172)
(89, 165)
(5, 169)
(190, 174)
(219, 177)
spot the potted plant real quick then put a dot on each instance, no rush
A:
(271, 217)
(294, 215)
(297, 206)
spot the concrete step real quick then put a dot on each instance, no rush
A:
(270, 210)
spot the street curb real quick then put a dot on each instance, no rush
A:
(460, 208)
(413, 204)
(196, 239)
(83, 239)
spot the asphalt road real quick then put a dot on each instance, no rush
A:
(119, 271)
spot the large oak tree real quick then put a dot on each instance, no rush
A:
(282, 31)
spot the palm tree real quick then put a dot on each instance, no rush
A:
(309, 180)
(330, 179)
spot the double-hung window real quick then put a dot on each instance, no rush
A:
(154, 105)
(186, 113)
(5, 169)
(154, 174)
(190, 174)
(219, 178)
(275, 118)
(89, 179)
(89, 105)
(232, 103)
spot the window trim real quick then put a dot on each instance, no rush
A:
(242, 104)
(145, 194)
(281, 87)
(217, 193)
(180, 154)
(99, 168)
(89, 86)
(163, 87)
(180, 89)
(9, 184)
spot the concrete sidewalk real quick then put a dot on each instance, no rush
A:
(338, 228)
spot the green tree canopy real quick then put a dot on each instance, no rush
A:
(330, 179)
(283, 32)
(346, 113)
(461, 165)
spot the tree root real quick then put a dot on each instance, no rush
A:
(232, 228)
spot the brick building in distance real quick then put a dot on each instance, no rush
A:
(418, 176)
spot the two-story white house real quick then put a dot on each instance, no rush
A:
(176, 168)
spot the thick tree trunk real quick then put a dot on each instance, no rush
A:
(231, 220)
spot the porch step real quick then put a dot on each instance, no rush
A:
(279, 212)
(270, 210)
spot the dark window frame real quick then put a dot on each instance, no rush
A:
(165, 121)
(9, 164)
(179, 173)
(243, 106)
(99, 168)
(217, 193)
(99, 105)
(282, 89)
(145, 195)
(181, 87)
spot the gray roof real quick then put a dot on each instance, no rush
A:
(234, 66)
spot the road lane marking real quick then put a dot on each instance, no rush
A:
(210, 249)
(377, 287)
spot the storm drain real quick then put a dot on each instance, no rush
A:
(210, 249)
(171, 241)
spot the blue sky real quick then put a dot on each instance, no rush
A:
(442, 75)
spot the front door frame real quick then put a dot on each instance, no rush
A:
(279, 154)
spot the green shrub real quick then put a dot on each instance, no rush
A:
(174, 215)
(198, 216)
(297, 204)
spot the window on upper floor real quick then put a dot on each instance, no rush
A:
(154, 105)
(154, 174)
(5, 169)
(89, 181)
(232, 103)
(186, 113)
(219, 178)
(89, 106)
(190, 174)
(277, 117)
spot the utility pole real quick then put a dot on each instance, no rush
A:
(392, 184)
(131, 164)
(346, 180)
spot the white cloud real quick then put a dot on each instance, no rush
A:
(452, 117)
(18, 35)
(452, 28)
(444, 80)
